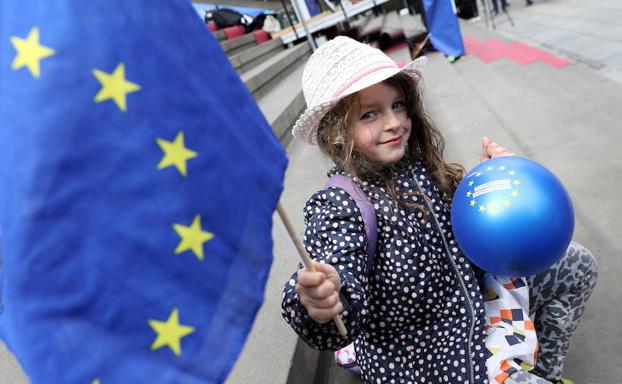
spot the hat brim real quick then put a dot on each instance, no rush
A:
(305, 128)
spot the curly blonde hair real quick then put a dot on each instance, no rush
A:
(426, 144)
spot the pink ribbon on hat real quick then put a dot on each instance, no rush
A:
(359, 77)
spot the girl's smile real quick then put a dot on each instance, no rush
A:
(396, 140)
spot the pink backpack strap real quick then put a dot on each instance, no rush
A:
(346, 357)
(366, 208)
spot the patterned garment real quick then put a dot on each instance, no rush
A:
(511, 338)
(418, 315)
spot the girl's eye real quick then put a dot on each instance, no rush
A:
(399, 104)
(368, 115)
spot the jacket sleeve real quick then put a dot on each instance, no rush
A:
(335, 234)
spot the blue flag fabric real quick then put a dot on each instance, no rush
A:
(138, 180)
(443, 27)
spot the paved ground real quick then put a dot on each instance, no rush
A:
(589, 32)
(568, 118)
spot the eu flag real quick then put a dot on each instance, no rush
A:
(138, 183)
(443, 27)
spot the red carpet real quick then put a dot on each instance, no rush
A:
(522, 54)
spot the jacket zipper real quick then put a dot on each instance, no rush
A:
(459, 277)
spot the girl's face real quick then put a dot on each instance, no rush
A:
(380, 125)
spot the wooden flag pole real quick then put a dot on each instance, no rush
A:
(306, 260)
(419, 47)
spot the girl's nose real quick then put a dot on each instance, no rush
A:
(392, 121)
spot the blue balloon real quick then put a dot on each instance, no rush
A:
(512, 217)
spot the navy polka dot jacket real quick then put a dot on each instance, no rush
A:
(417, 315)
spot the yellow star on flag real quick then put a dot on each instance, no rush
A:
(490, 168)
(493, 208)
(175, 153)
(478, 174)
(506, 203)
(169, 332)
(482, 208)
(502, 168)
(30, 52)
(114, 86)
(511, 173)
(192, 237)
(469, 194)
(516, 182)
(96, 381)
(514, 193)
(471, 183)
(473, 203)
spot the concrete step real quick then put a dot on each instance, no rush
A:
(251, 57)
(264, 76)
(478, 32)
(524, 101)
(539, 87)
(220, 35)
(284, 102)
(556, 96)
(412, 25)
(238, 44)
(362, 20)
(391, 22)
(357, 25)
(371, 30)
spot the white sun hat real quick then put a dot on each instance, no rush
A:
(341, 67)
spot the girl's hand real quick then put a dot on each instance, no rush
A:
(319, 292)
(490, 149)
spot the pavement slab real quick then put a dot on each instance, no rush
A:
(587, 32)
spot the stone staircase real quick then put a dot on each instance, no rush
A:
(272, 72)
(255, 55)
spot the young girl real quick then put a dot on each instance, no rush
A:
(416, 314)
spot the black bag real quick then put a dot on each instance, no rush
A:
(257, 23)
(226, 17)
